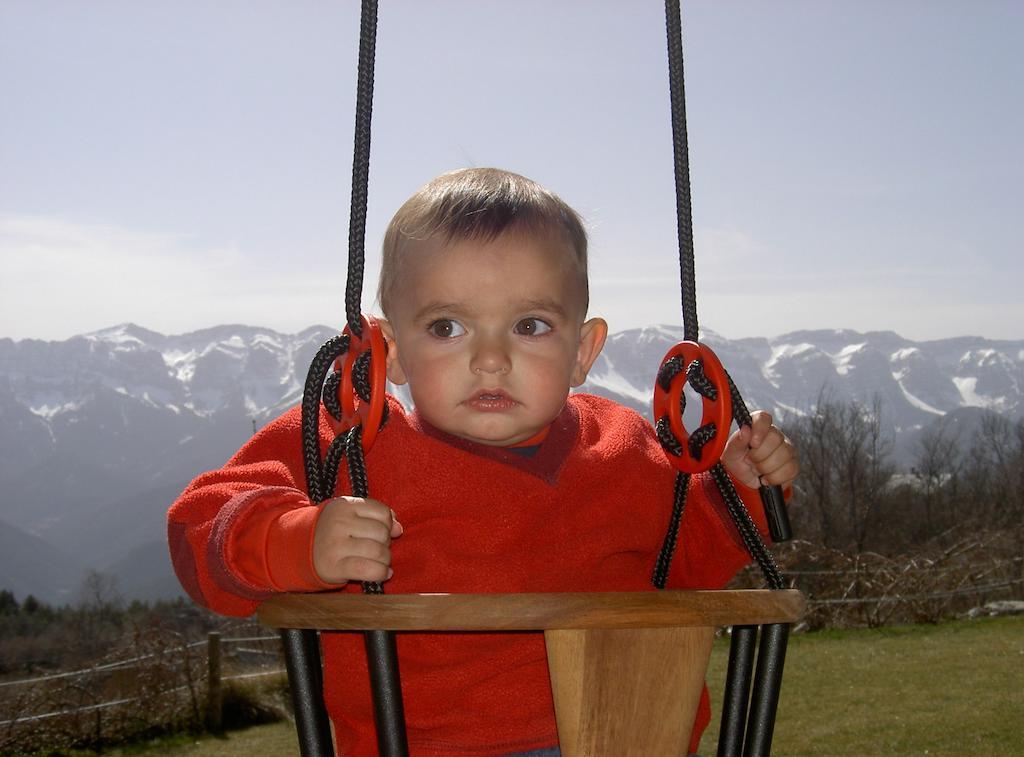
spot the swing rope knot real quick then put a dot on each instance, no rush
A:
(671, 368)
(697, 365)
(354, 397)
(361, 376)
(359, 392)
(700, 438)
(668, 440)
(329, 395)
(699, 382)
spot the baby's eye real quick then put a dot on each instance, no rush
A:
(445, 328)
(532, 327)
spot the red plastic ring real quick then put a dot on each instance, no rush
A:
(717, 411)
(354, 411)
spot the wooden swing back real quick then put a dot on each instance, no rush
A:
(627, 669)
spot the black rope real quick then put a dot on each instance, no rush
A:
(360, 485)
(332, 462)
(748, 531)
(668, 371)
(668, 440)
(739, 408)
(321, 476)
(361, 166)
(680, 150)
(699, 382)
(668, 547)
(699, 438)
(330, 395)
(771, 497)
(302, 646)
(695, 376)
(361, 376)
(311, 393)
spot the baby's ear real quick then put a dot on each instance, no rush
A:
(592, 336)
(395, 373)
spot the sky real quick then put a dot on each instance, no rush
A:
(184, 163)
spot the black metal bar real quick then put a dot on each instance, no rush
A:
(388, 712)
(764, 701)
(737, 691)
(775, 511)
(306, 679)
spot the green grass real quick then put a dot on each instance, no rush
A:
(955, 688)
(276, 739)
(951, 689)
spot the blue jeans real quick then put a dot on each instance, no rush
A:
(549, 752)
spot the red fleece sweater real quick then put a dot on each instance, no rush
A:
(587, 512)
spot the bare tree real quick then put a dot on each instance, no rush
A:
(995, 477)
(100, 607)
(996, 472)
(845, 469)
(100, 592)
(936, 471)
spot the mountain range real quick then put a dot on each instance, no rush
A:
(100, 432)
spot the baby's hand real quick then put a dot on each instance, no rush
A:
(352, 541)
(761, 454)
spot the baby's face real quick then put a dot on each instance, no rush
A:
(490, 335)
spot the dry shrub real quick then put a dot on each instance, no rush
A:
(849, 590)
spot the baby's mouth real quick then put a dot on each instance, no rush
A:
(497, 394)
(492, 399)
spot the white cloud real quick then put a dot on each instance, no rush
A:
(724, 248)
(61, 277)
(38, 250)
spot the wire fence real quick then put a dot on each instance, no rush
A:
(168, 684)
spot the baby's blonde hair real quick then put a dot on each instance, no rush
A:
(483, 204)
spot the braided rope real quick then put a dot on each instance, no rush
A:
(361, 376)
(739, 407)
(748, 531)
(668, 547)
(330, 395)
(699, 381)
(311, 394)
(699, 438)
(361, 166)
(695, 375)
(332, 461)
(668, 371)
(680, 151)
(668, 440)
(321, 477)
(360, 485)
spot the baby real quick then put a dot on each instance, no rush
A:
(499, 481)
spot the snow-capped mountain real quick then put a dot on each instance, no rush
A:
(98, 433)
(916, 381)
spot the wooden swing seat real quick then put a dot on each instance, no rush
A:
(627, 669)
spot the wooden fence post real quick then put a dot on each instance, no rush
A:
(214, 685)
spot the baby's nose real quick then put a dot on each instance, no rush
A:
(491, 356)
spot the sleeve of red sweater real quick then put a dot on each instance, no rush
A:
(245, 531)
